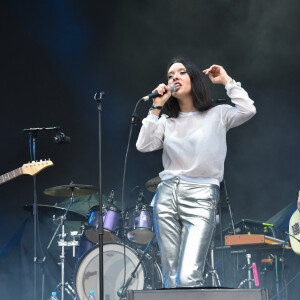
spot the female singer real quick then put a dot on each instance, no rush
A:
(193, 138)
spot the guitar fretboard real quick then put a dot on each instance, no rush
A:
(11, 175)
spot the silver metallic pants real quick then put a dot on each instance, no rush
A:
(184, 219)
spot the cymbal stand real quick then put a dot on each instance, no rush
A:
(63, 243)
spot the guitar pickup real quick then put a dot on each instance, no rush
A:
(296, 228)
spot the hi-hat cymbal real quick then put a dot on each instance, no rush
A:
(67, 190)
(50, 211)
(152, 184)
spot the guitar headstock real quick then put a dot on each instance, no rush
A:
(35, 167)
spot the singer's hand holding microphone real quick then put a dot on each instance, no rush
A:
(160, 96)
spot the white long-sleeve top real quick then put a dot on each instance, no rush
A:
(194, 144)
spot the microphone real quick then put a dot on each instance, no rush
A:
(111, 197)
(141, 197)
(61, 138)
(122, 290)
(156, 94)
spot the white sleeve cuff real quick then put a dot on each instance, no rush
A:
(230, 84)
(153, 117)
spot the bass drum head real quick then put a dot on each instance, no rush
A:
(87, 275)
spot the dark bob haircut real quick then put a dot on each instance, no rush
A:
(200, 93)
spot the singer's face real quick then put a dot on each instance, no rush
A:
(178, 75)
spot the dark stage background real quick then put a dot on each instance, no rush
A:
(56, 54)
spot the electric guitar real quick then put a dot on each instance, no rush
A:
(294, 229)
(31, 168)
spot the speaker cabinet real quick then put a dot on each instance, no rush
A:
(201, 294)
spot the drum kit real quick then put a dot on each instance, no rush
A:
(130, 250)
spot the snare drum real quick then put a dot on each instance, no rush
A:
(87, 272)
(111, 224)
(140, 225)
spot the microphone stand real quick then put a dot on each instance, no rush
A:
(122, 290)
(32, 149)
(99, 97)
(32, 141)
(229, 208)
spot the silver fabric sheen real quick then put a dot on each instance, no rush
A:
(184, 218)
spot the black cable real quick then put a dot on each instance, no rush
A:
(133, 121)
(283, 280)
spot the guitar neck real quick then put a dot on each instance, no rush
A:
(11, 175)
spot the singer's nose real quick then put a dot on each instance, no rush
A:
(175, 77)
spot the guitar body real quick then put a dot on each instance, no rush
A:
(294, 229)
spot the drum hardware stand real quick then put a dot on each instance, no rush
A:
(98, 97)
(140, 204)
(32, 148)
(122, 290)
(249, 277)
(68, 289)
(111, 197)
(215, 281)
(63, 243)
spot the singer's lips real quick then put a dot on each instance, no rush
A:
(178, 85)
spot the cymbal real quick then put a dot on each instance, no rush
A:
(152, 184)
(66, 190)
(49, 211)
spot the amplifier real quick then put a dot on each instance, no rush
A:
(246, 226)
(203, 294)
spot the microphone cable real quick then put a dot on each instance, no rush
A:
(134, 120)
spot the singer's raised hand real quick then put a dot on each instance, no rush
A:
(217, 75)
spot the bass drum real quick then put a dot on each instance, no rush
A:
(148, 275)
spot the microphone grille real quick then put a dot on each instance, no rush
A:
(173, 88)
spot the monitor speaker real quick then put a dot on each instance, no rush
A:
(201, 294)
